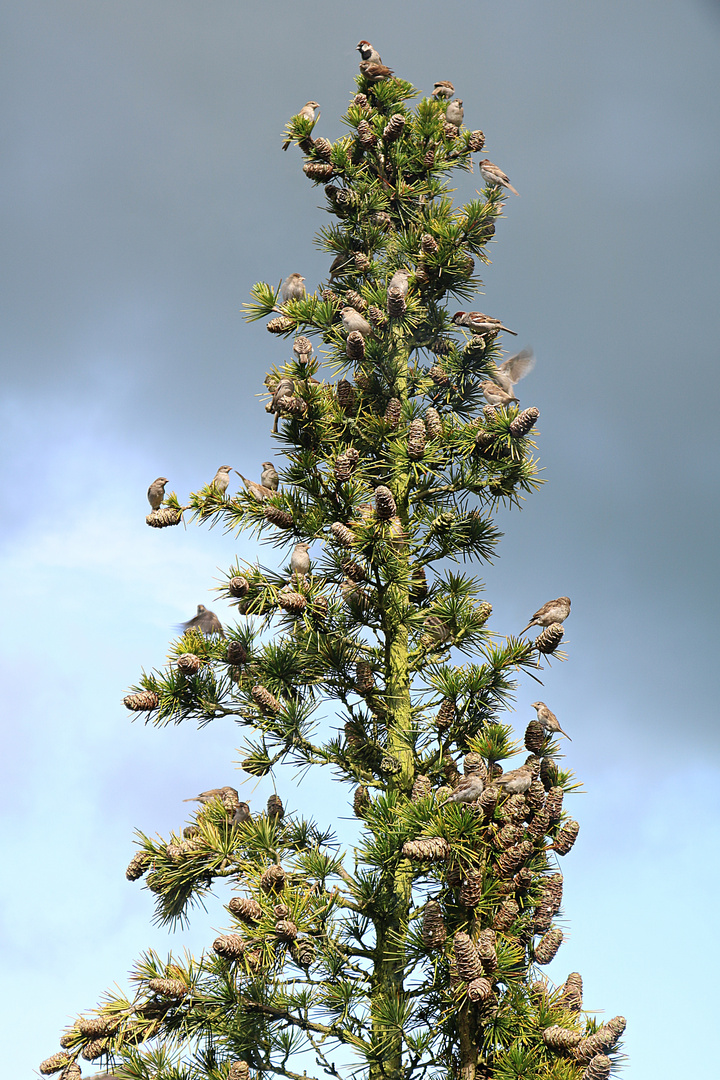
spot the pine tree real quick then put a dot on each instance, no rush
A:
(419, 951)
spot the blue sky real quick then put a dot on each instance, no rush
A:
(143, 192)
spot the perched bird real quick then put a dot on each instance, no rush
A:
(353, 320)
(375, 72)
(548, 719)
(307, 113)
(514, 369)
(495, 394)
(269, 477)
(221, 479)
(555, 611)
(215, 793)
(156, 492)
(292, 288)
(302, 347)
(285, 388)
(468, 790)
(340, 263)
(454, 113)
(368, 53)
(205, 621)
(400, 280)
(258, 491)
(242, 814)
(517, 781)
(494, 176)
(479, 323)
(443, 89)
(300, 559)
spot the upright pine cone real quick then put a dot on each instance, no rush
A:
(362, 262)
(162, 518)
(429, 159)
(429, 244)
(476, 141)
(506, 915)
(466, 957)
(434, 931)
(430, 848)
(138, 865)
(485, 945)
(94, 1049)
(356, 300)
(416, 440)
(329, 296)
(434, 423)
(143, 701)
(364, 680)
(189, 663)
(366, 134)
(524, 422)
(488, 799)
(479, 990)
(548, 773)
(450, 131)
(471, 890)
(323, 148)
(548, 945)
(275, 808)
(239, 1070)
(169, 988)
(445, 714)
(392, 412)
(439, 376)
(54, 1064)
(548, 641)
(396, 303)
(345, 464)
(560, 1038)
(273, 878)
(346, 395)
(572, 992)
(539, 824)
(385, 506)
(318, 171)
(566, 837)
(512, 859)
(598, 1069)
(292, 602)
(286, 930)
(418, 584)
(342, 534)
(266, 702)
(535, 795)
(71, 1072)
(238, 587)
(474, 765)
(355, 345)
(245, 908)
(524, 878)
(361, 800)
(509, 834)
(280, 325)
(377, 317)
(277, 516)
(553, 803)
(236, 653)
(422, 787)
(394, 127)
(535, 737)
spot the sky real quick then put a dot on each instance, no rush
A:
(143, 192)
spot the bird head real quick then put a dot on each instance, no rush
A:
(162, 480)
(267, 465)
(364, 47)
(458, 316)
(311, 105)
(538, 704)
(201, 609)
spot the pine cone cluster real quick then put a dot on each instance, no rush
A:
(566, 837)
(434, 931)
(430, 848)
(162, 518)
(416, 438)
(143, 701)
(245, 908)
(265, 701)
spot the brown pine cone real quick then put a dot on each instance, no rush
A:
(361, 800)
(239, 1070)
(71, 1072)
(560, 1038)
(280, 325)
(323, 148)
(479, 990)
(346, 395)
(394, 127)
(276, 516)
(429, 244)
(535, 795)
(396, 303)
(392, 412)
(548, 945)
(429, 159)
(356, 300)
(273, 878)
(355, 345)
(366, 134)
(286, 930)
(471, 890)
(53, 1064)
(468, 962)
(485, 945)
(539, 824)
(94, 1026)
(439, 376)
(430, 848)
(275, 808)
(523, 422)
(450, 131)
(266, 702)
(169, 988)
(189, 663)
(364, 680)
(566, 837)
(318, 171)
(553, 803)
(362, 262)
(548, 641)
(473, 764)
(572, 992)
(548, 773)
(385, 507)
(162, 518)
(245, 908)
(377, 317)
(434, 423)
(476, 141)
(345, 464)
(238, 587)
(95, 1049)
(342, 534)
(236, 653)
(416, 437)
(143, 701)
(535, 737)
(445, 714)
(434, 931)
(292, 602)
(598, 1069)
(422, 787)
(506, 915)
(138, 865)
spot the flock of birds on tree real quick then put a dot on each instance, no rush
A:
(497, 390)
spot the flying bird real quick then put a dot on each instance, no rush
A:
(514, 369)
(555, 611)
(156, 492)
(494, 176)
(205, 621)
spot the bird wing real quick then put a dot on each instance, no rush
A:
(518, 366)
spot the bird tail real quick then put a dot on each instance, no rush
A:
(564, 733)
(507, 329)
(531, 623)
(511, 188)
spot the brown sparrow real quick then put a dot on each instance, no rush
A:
(555, 611)
(517, 781)
(468, 790)
(368, 53)
(292, 288)
(443, 89)
(307, 113)
(258, 491)
(548, 719)
(375, 72)
(269, 477)
(221, 479)
(494, 176)
(205, 621)
(156, 492)
(479, 323)
(353, 320)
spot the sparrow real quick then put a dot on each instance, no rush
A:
(479, 323)
(269, 477)
(517, 781)
(368, 53)
(400, 280)
(215, 793)
(242, 814)
(494, 176)
(514, 369)
(548, 719)
(302, 347)
(443, 89)
(555, 611)
(292, 288)
(258, 491)
(353, 320)
(300, 560)
(468, 790)
(156, 492)
(454, 113)
(221, 479)
(341, 263)
(495, 394)
(205, 621)
(307, 113)
(285, 388)
(375, 72)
